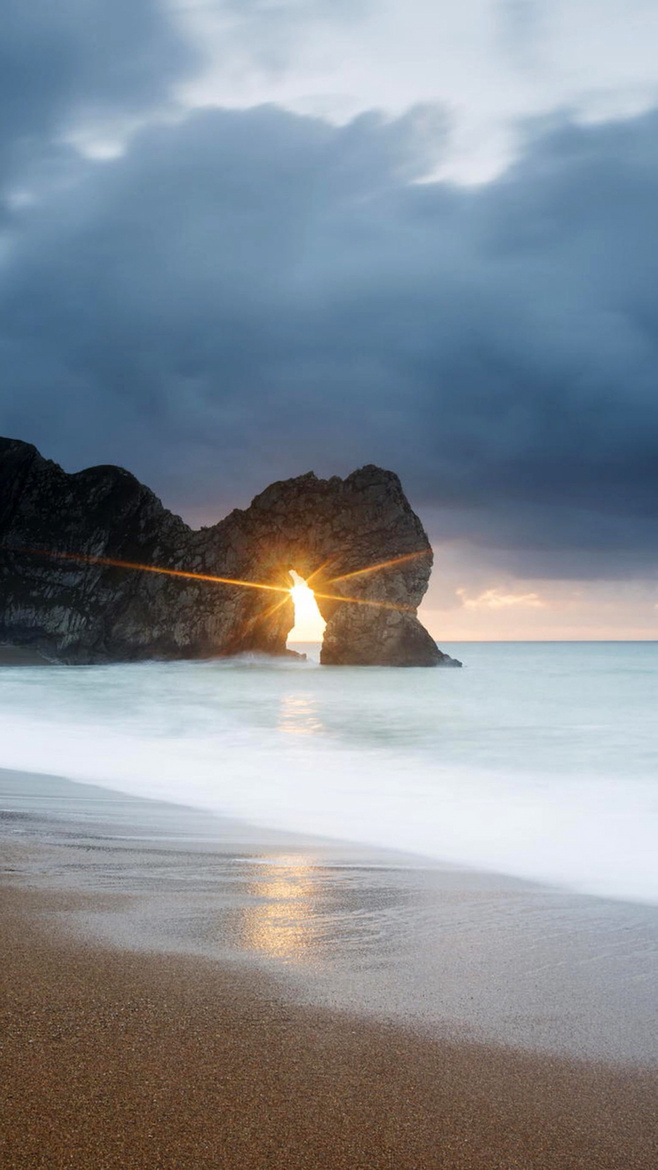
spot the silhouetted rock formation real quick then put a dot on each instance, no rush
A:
(83, 610)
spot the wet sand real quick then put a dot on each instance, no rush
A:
(455, 953)
(180, 991)
(112, 1058)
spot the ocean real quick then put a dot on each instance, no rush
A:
(536, 760)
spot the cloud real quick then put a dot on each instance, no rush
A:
(77, 62)
(519, 28)
(570, 609)
(492, 63)
(246, 294)
(497, 598)
(265, 33)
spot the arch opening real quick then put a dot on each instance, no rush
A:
(309, 623)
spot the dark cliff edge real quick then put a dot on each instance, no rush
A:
(61, 596)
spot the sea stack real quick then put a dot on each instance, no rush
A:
(64, 593)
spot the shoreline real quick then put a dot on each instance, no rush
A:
(180, 991)
(119, 1058)
(505, 778)
(448, 952)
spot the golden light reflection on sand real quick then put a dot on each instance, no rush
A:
(282, 921)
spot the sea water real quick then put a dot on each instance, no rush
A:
(537, 760)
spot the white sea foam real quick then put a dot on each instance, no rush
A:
(535, 760)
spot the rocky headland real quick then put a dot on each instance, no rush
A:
(225, 589)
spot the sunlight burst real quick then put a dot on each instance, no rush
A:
(309, 623)
(312, 629)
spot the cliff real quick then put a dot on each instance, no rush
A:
(225, 588)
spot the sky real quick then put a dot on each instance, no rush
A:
(242, 239)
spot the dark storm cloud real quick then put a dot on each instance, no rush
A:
(247, 294)
(63, 61)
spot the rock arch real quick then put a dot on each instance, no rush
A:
(356, 539)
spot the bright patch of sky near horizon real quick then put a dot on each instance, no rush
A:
(511, 610)
(497, 606)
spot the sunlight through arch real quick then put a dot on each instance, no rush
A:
(309, 623)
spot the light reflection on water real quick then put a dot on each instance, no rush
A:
(299, 715)
(518, 964)
(538, 761)
(301, 911)
(281, 919)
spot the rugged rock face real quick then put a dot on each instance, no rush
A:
(59, 594)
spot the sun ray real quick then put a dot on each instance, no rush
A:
(319, 570)
(255, 620)
(87, 559)
(382, 565)
(366, 601)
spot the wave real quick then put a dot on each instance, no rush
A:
(405, 760)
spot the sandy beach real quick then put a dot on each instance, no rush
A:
(113, 1058)
(143, 1027)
